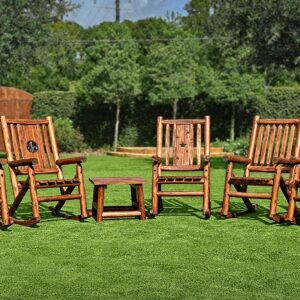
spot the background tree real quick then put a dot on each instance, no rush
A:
(116, 80)
(22, 30)
(170, 72)
(236, 90)
(271, 28)
(100, 39)
(59, 64)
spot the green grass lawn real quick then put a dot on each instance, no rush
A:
(177, 255)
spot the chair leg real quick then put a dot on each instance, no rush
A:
(19, 197)
(34, 198)
(290, 216)
(133, 192)
(154, 209)
(226, 198)
(206, 198)
(274, 199)
(16, 203)
(6, 220)
(141, 202)
(155, 188)
(160, 202)
(83, 206)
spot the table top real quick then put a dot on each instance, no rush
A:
(117, 180)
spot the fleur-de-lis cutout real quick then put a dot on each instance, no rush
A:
(32, 146)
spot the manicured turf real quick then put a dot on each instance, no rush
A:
(177, 255)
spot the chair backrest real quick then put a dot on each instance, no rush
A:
(28, 138)
(273, 138)
(179, 141)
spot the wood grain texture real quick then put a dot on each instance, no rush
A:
(32, 150)
(272, 141)
(185, 140)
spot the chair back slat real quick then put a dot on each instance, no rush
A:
(181, 140)
(284, 141)
(14, 138)
(49, 152)
(265, 144)
(167, 143)
(290, 142)
(198, 144)
(273, 139)
(191, 144)
(258, 144)
(271, 145)
(278, 140)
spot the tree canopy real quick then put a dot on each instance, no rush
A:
(22, 30)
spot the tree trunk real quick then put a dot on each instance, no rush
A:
(175, 109)
(232, 124)
(117, 125)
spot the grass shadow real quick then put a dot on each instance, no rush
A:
(176, 207)
(260, 214)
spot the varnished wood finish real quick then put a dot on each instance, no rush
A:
(137, 208)
(32, 151)
(272, 141)
(293, 183)
(117, 180)
(6, 220)
(184, 140)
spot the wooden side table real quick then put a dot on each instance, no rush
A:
(137, 208)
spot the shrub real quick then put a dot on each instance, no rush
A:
(54, 103)
(129, 137)
(238, 147)
(282, 102)
(69, 139)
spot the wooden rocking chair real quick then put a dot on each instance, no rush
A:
(6, 219)
(271, 140)
(180, 136)
(32, 151)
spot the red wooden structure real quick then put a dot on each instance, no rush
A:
(14, 103)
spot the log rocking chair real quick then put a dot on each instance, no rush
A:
(32, 151)
(271, 141)
(182, 153)
(6, 220)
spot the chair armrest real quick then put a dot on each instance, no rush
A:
(70, 161)
(156, 159)
(23, 162)
(286, 161)
(237, 159)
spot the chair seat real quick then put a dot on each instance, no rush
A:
(57, 183)
(180, 179)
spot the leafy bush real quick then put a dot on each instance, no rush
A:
(129, 137)
(238, 147)
(69, 139)
(54, 103)
(282, 102)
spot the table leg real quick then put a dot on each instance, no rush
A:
(134, 197)
(141, 201)
(100, 203)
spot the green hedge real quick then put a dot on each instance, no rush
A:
(62, 107)
(282, 102)
(54, 103)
